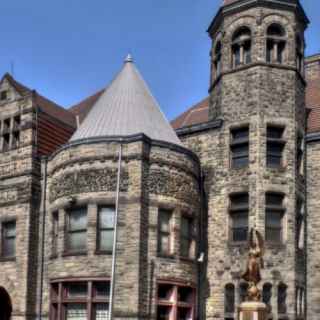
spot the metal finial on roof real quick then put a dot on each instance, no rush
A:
(128, 58)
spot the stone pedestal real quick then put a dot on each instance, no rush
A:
(252, 311)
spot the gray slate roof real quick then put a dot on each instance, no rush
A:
(126, 107)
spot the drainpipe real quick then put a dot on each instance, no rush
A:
(44, 200)
(114, 253)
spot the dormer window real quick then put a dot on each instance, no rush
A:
(276, 44)
(241, 47)
(3, 95)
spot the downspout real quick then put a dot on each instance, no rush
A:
(201, 257)
(114, 253)
(44, 208)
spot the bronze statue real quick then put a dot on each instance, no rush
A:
(254, 265)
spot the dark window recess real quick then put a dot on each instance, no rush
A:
(6, 142)
(300, 148)
(164, 232)
(275, 146)
(241, 47)
(239, 147)
(243, 291)
(276, 44)
(6, 124)
(267, 293)
(229, 298)
(4, 95)
(15, 139)
(175, 302)
(77, 230)
(106, 228)
(282, 299)
(8, 239)
(217, 60)
(187, 237)
(274, 216)
(239, 213)
(16, 122)
(79, 300)
(55, 232)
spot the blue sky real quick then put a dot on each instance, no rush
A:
(69, 49)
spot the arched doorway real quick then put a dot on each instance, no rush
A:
(5, 305)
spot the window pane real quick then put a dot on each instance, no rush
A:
(273, 219)
(184, 314)
(239, 200)
(106, 240)
(9, 229)
(77, 241)
(78, 219)
(229, 297)
(76, 311)
(239, 234)
(240, 219)
(243, 291)
(184, 247)
(273, 234)
(185, 227)
(164, 244)
(165, 292)
(9, 247)
(274, 199)
(275, 132)
(77, 290)
(185, 294)
(239, 134)
(164, 312)
(102, 289)
(164, 220)
(101, 311)
(106, 217)
(266, 293)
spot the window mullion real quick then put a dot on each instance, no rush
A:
(89, 301)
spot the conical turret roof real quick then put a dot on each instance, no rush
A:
(126, 108)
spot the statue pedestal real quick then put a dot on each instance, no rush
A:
(252, 311)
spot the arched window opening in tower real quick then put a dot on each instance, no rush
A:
(241, 47)
(266, 295)
(229, 300)
(276, 43)
(282, 299)
(300, 54)
(217, 59)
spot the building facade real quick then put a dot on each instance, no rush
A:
(106, 208)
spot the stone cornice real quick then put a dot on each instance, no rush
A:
(196, 128)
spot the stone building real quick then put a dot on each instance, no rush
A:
(106, 208)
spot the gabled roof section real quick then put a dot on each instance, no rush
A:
(126, 108)
(45, 105)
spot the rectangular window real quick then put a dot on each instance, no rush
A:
(9, 239)
(15, 139)
(106, 221)
(85, 300)
(55, 232)
(77, 230)
(6, 142)
(175, 302)
(300, 148)
(187, 237)
(3, 95)
(239, 214)
(274, 215)
(239, 147)
(275, 146)
(164, 232)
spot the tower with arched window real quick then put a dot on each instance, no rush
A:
(257, 98)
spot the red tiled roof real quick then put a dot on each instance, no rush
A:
(83, 108)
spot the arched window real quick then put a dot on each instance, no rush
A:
(229, 298)
(300, 54)
(267, 293)
(243, 291)
(217, 59)
(282, 298)
(241, 47)
(276, 43)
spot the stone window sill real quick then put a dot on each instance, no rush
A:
(166, 256)
(103, 252)
(187, 259)
(7, 259)
(74, 253)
